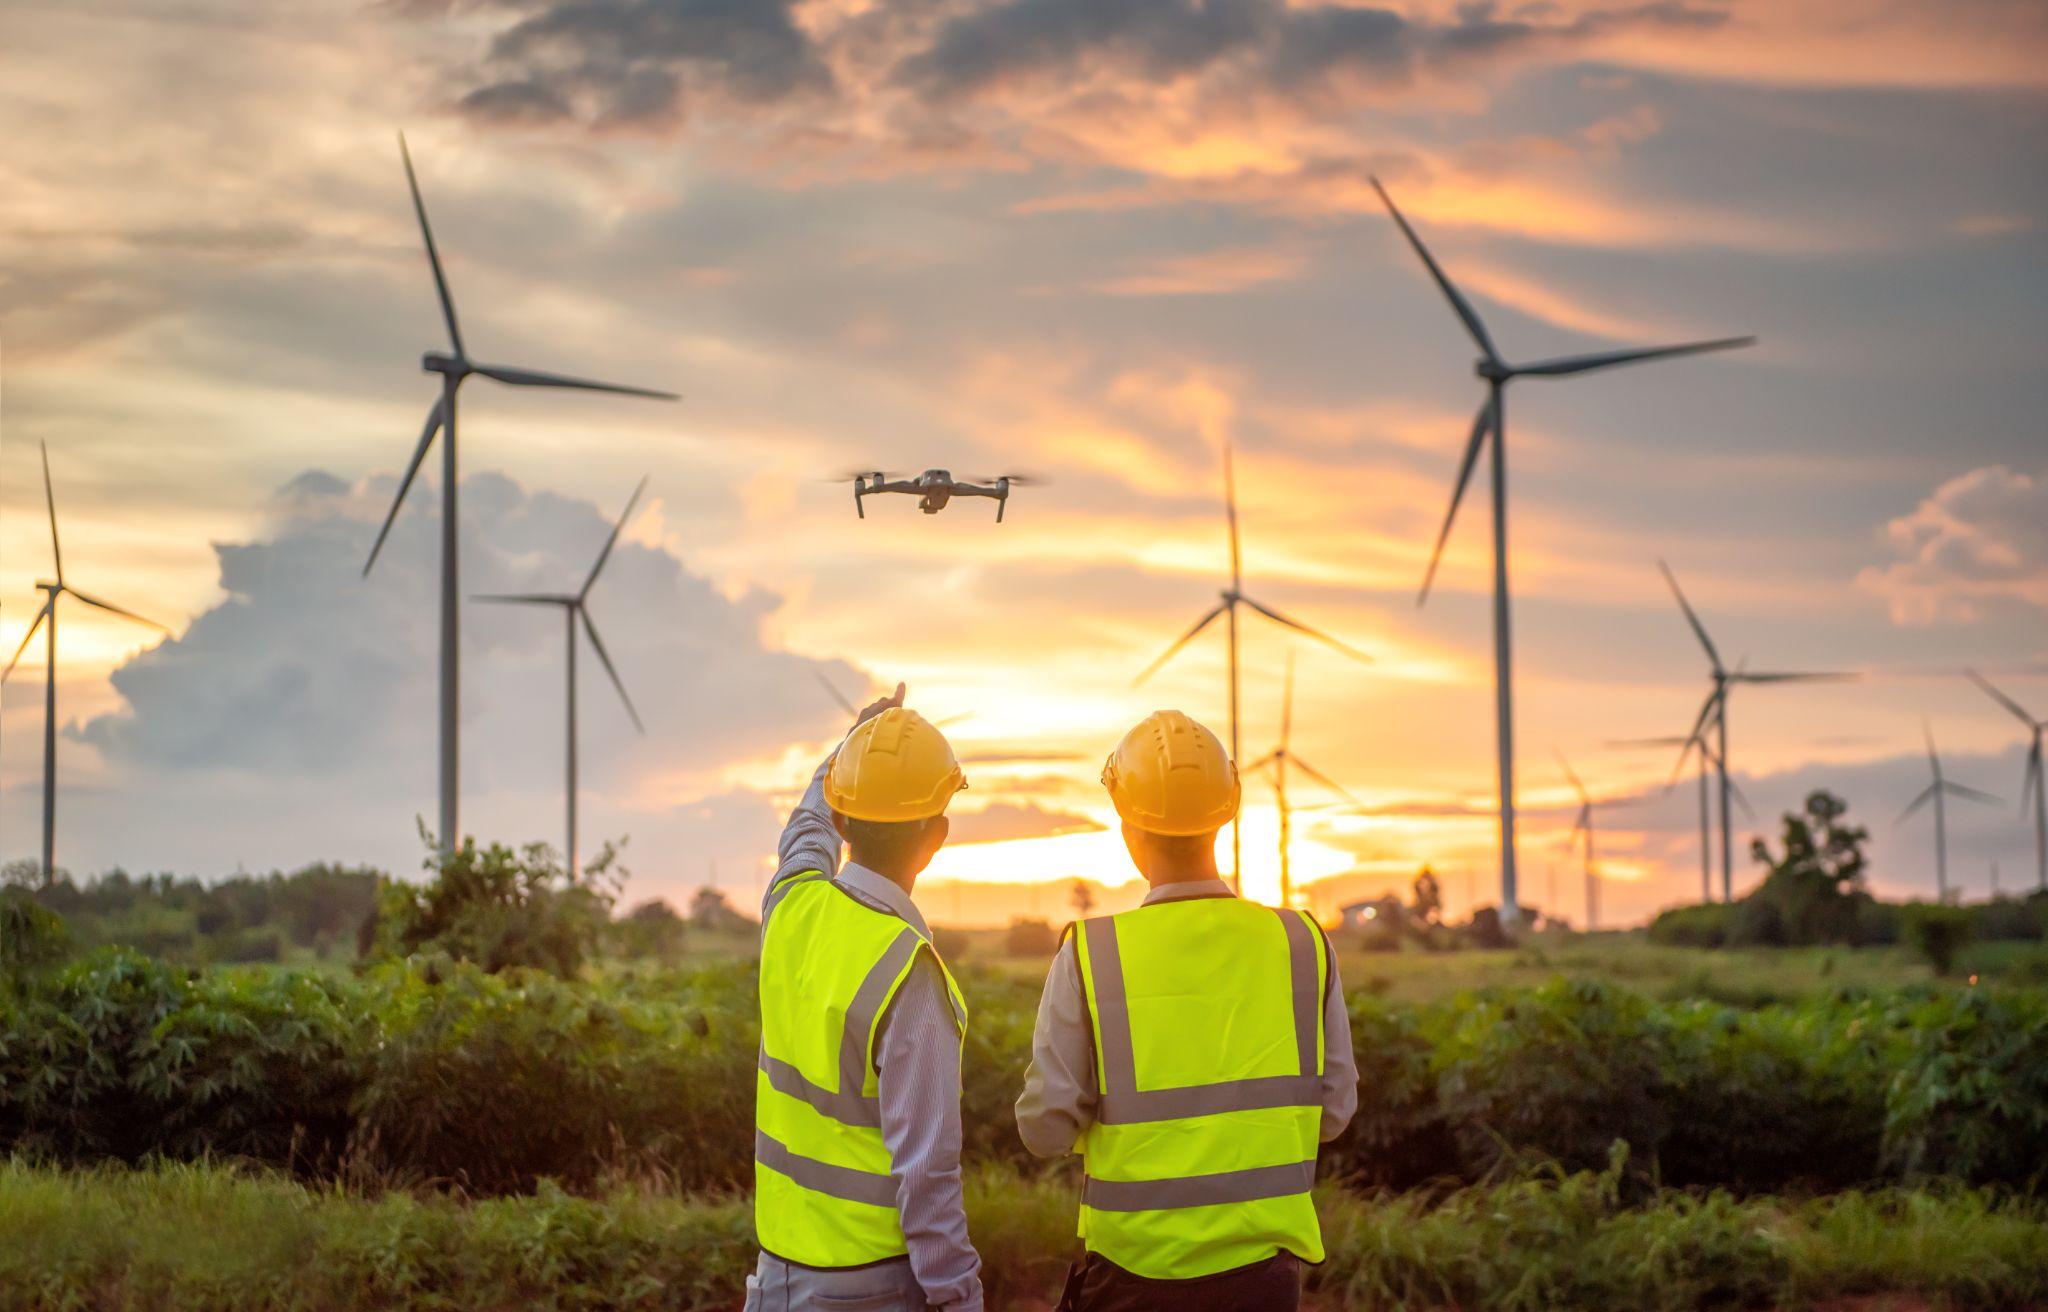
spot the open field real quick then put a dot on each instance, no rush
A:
(172, 1238)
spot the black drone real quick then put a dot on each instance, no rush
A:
(933, 489)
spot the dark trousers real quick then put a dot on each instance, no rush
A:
(1096, 1284)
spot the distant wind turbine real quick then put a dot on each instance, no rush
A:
(46, 618)
(1696, 742)
(1582, 828)
(455, 369)
(1492, 419)
(574, 610)
(2033, 788)
(1278, 760)
(1937, 792)
(1233, 597)
(1714, 710)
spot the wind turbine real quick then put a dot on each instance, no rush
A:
(1583, 826)
(1232, 597)
(1715, 707)
(2033, 790)
(574, 609)
(1937, 792)
(455, 369)
(1688, 744)
(46, 619)
(1279, 759)
(1492, 419)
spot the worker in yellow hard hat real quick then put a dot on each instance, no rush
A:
(857, 1191)
(1194, 1051)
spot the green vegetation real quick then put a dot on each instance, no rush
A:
(173, 1237)
(429, 1069)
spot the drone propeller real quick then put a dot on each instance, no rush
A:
(856, 475)
(1014, 480)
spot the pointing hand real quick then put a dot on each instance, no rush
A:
(877, 707)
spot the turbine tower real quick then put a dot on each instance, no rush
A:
(1232, 597)
(454, 370)
(2033, 790)
(1937, 793)
(1278, 760)
(1583, 826)
(1714, 710)
(574, 610)
(46, 619)
(1492, 420)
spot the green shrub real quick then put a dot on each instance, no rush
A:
(1938, 933)
(1968, 1096)
(500, 908)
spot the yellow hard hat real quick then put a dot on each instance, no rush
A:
(1170, 775)
(895, 766)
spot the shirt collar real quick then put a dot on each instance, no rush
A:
(882, 893)
(1188, 889)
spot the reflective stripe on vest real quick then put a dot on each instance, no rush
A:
(830, 964)
(1227, 1051)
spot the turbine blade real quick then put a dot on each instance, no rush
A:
(1182, 641)
(1323, 779)
(1926, 796)
(605, 657)
(1933, 757)
(1287, 704)
(1699, 629)
(26, 638)
(50, 499)
(1674, 740)
(1230, 511)
(419, 455)
(517, 377)
(1741, 799)
(833, 689)
(1482, 424)
(613, 540)
(2028, 780)
(524, 598)
(1798, 676)
(1696, 738)
(1572, 775)
(112, 609)
(1999, 697)
(1579, 364)
(1466, 314)
(1261, 763)
(1972, 794)
(1299, 627)
(419, 207)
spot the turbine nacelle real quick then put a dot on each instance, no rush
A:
(440, 362)
(1493, 371)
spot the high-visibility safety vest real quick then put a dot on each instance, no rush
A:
(1208, 1025)
(830, 963)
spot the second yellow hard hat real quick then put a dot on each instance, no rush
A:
(893, 767)
(1171, 775)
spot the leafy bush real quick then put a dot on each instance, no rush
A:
(428, 1069)
(1937, 934)
(500, 908)
(1969, 1094)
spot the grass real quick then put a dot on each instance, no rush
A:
(170, 1238)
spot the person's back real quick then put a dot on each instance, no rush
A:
(857, 1188)
(1194, 1051)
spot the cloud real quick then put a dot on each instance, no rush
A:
(632, 63)
(303, 703)
(1981, 539)
(1003, 821)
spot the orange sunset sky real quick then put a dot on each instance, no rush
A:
(1088, 239)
